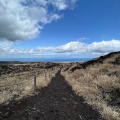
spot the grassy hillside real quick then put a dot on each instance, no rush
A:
(98, 81)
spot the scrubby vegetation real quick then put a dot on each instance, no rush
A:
(17, 79)
(98, 81)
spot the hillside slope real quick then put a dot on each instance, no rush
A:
(111, 58)
(98, 81)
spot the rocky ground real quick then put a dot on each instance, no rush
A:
(57, 101)
(11, 68)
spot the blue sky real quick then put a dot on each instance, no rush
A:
(59, 28)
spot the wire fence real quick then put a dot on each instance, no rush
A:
(27, 86)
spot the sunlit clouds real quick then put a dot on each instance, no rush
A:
(71, 48)
(24, 19)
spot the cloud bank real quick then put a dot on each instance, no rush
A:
(72, 48)
(23, 19)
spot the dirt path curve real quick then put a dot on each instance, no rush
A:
(55, 102)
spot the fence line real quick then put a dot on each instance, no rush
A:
(15, 87)
(34, 81)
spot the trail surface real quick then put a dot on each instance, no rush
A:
(57, 101)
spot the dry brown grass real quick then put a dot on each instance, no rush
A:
(95, 84)
(21, 84)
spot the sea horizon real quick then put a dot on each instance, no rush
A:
(46, 59)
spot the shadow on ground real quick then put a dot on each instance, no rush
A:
(57, 101)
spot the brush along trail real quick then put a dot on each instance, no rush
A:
(57, 101)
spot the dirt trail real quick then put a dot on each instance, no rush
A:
(55, 102)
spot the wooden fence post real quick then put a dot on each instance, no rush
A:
(49, 74)
(34, 84)
(45, 76)
(17, 87)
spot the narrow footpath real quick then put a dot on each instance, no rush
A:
(57, 101)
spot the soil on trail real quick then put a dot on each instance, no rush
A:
(57, 101)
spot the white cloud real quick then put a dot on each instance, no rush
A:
(104, 46)
(5, 46)
(15, 22)
(23, 19)
(60, 4)
(71, 48)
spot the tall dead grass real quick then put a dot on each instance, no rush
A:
(95, 84)
(20, 85)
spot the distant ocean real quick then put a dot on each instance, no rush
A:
(46, 59)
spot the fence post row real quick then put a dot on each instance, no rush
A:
(34, 80)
